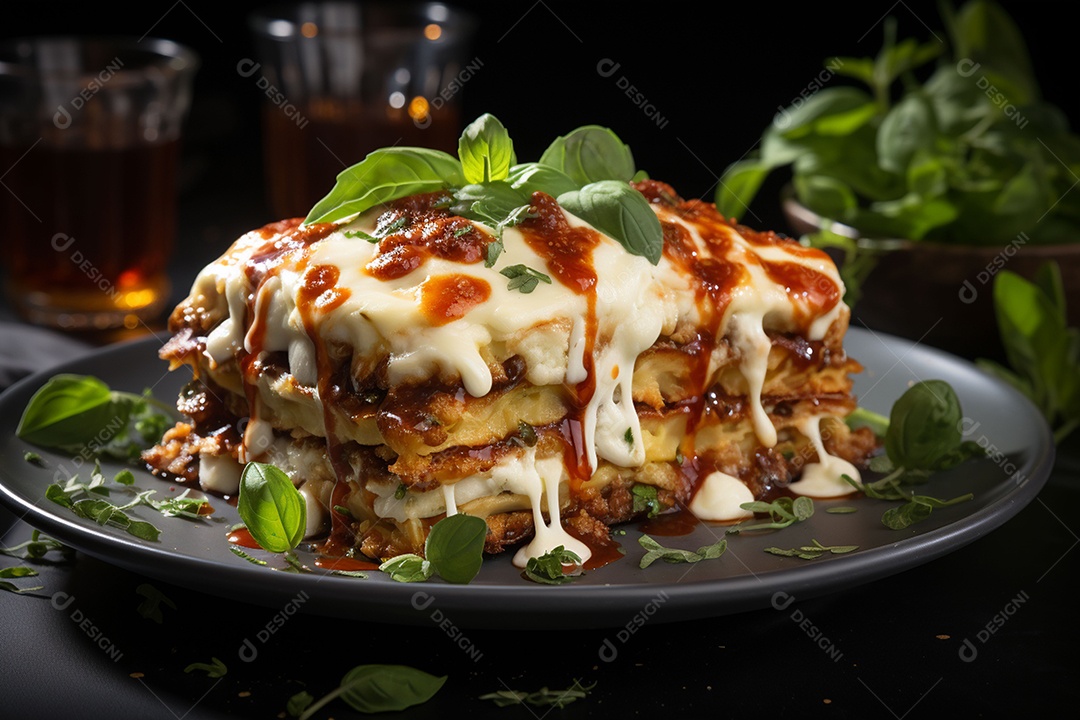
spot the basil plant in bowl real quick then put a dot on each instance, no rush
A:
(925, 171)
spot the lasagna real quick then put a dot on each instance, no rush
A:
(398, 378)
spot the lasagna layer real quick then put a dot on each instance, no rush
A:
(389, 370)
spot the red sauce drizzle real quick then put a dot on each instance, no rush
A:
(320, 283)
(811, 291)
(413, 230)
(671, 524)
(568, 255)
(243, 538)
(448, 297)
(604, 551)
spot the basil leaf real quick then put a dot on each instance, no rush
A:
(908, 128)
(621, 212)
(489, 202)
(533, 177)
(69, 412)
(386, 688)
(590, 154)
(455, 547)
(924, 426)
(485, 150)
(271, 507)
(384, 175)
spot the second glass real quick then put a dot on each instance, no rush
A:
(342, 79)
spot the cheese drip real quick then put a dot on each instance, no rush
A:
(539, 479)
(823, 478)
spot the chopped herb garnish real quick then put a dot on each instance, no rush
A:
(298, 703)
(526, 434)
(37, 547)
(214, 669)
(842, 510)
(408, 568)
(550, 568)
(656, 551)
(523, 279)
(463, 230)
(812, 552)
(240, 553)
(360, 235)
(628, 436)
(782, 512)
(645, 498)
(399, 493)
(544, 697)
(34, 459)
(17, 572)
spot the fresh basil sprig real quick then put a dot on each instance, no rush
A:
(454, 549)
(374, 689)
(271, 507)
(81, 414)
(588, 171)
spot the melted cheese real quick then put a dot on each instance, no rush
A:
(635, 304)
(823, 478)
(719, 498)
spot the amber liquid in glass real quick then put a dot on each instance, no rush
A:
(89, 232)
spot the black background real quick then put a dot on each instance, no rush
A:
(717, 73)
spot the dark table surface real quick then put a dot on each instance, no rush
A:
(987, 631)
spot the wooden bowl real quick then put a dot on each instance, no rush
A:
(937, 293)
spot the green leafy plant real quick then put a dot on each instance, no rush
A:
(965, 152)
(1042, 351)
(588, 171)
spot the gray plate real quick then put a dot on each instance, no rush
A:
(196, 554)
